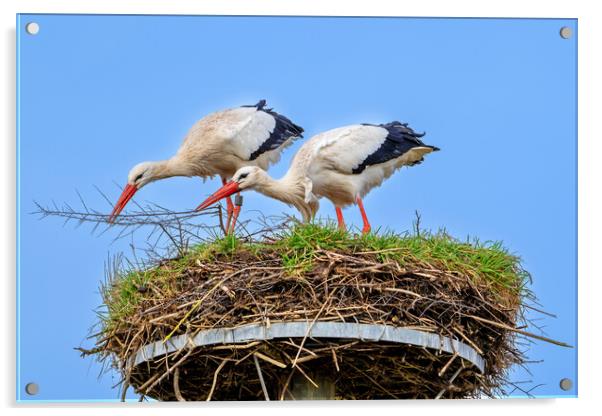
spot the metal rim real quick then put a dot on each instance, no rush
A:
(342, 330)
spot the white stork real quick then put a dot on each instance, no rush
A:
(220, 144)
(342, 165)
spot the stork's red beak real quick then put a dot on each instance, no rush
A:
(225, 191)
(126, 195)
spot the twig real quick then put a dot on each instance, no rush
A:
(334, 358)
(311, 326)
(520, 331)
(196, 305)
(259, 373)
(307, 377)
(446, 366)
(168, 372)
(376, 383)
(176, 385)
(269, 360)
(124, 391)
(286, 383)
(451, 380)
(219, 368)
(220, 217)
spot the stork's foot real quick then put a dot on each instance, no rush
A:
(230, 212)
(232, 225)
(229, 208)
(235, 213)
(340, 219)
(360, 204)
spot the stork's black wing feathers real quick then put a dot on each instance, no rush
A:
(400, 139)
(258, 106)
(284, 129)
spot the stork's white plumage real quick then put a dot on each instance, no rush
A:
(342, 165)
(220, 144)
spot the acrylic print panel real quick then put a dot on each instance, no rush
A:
(444, 308)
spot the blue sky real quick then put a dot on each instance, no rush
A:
(98, 94)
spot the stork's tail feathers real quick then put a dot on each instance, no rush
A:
(401, 142)
(285, 124)
(285, 131)
(402, 128)
(260, 105)
(401, 131)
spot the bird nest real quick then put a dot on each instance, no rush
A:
(467, 296)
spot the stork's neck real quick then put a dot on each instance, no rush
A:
(172, 167)
(289, 190)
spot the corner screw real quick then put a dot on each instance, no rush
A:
(566, 32)
(32, 28)
(566, 384)
(32, 389)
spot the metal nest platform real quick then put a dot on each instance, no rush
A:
(306, 360)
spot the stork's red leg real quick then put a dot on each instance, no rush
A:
(340, 219)
(229, 207)
(237, 206)
(367, 226)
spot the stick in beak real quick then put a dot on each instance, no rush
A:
(126, 195)
(225, 191)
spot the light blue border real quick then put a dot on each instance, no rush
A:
(18, 207)
(576, 382)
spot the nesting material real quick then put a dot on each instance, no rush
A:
(464, 291)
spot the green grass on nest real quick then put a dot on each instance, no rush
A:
(487, 262)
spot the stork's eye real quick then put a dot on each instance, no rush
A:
(139, 177)
(243, 175)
